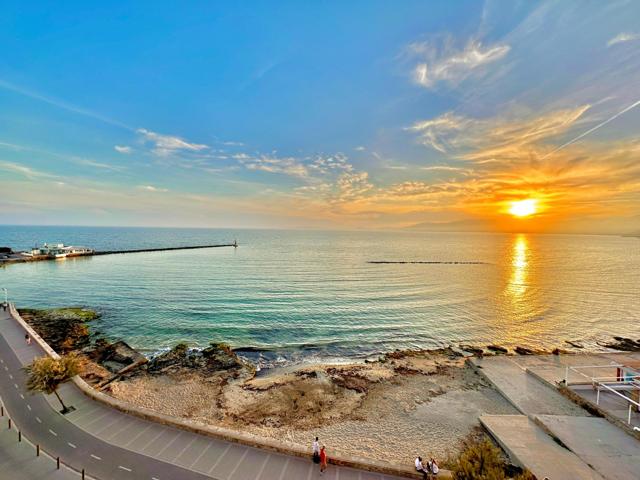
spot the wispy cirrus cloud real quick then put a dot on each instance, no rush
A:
(26, 171)
(166, 145)
(124, 149)
(151, 188)
(623, 38)
(449, 65)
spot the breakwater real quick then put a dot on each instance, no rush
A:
(19, 257)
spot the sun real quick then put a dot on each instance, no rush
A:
(523, 208)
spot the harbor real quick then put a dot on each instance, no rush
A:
(61, 251)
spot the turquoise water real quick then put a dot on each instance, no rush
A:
(313, 294)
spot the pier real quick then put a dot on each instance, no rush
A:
(20, 257)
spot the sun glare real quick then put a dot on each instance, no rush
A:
(523, 208)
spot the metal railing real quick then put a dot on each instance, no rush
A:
(610, 384)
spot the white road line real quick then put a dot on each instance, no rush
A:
(168, 445)
(22, 396)
(155, 478)
(264, 464)
(183, 450)
(284, 469)
(96, 457)
(11, 376)
(154, 439)
(137, 436)
(206, 449)
(5, 367)
(15, 385)
(29, 407)
(124, 468)
(246, 450)
(71, 445)
(38, 420)
(219, 458)
(53, 433)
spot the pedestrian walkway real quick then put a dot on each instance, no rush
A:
(607, 448)
(527, 444)
(110, 444)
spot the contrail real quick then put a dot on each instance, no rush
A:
(582, 135)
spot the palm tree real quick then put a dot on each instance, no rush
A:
(46, 374)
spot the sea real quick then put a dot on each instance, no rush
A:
(288, 296)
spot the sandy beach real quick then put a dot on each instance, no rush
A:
(406, 403)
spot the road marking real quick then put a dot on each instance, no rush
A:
(134, 438)
(284, 469)
(29, 407)
(5, 367)
(53, 433)
(71, 445)
(219, 458)
(155, 478)
(202, 454)
(124, 468)
(15, 385)
(38, 420)
(185, 448)
(22, 396)
(11, 376)
(246, 450)
(264, 464)
(96, 457)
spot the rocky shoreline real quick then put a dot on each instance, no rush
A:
(380, 408)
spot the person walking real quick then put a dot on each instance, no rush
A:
(27, 339)
(323, 460)
(315, 447)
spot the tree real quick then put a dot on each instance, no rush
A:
(46, 374)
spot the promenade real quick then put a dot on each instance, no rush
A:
(110, 444)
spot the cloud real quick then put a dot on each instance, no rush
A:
(28, 172)
(438, 131)
(453, 66)
(272, 164)
(623, 37)
(103, 166)
(151, 188)
(360, 148)
(123, 149)
(165, 145)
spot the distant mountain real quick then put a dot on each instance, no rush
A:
(469, 225)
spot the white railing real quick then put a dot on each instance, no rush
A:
(610, 384)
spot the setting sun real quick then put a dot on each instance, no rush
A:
(523, 208)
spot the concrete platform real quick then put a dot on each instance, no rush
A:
(530, 446)
(525, 392)
(598, 443)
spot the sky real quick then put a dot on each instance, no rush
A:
(326, 115)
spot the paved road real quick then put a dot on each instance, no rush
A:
(18, 460)
(112, 445)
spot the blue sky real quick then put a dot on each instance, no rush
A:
(320, 114)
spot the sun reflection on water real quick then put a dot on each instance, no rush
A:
(519, 266)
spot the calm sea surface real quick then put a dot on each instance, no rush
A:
(314, 294)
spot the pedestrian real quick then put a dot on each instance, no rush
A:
(27, 339)
(323, 460)
(315, 447)
(433, 466)
(420, 467)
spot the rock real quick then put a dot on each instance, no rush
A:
(220, 356)
(64, 329)
(497, 349)
(574, 344)
(524, 351)
(116, 356)
(216, 357)
(625, 344)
